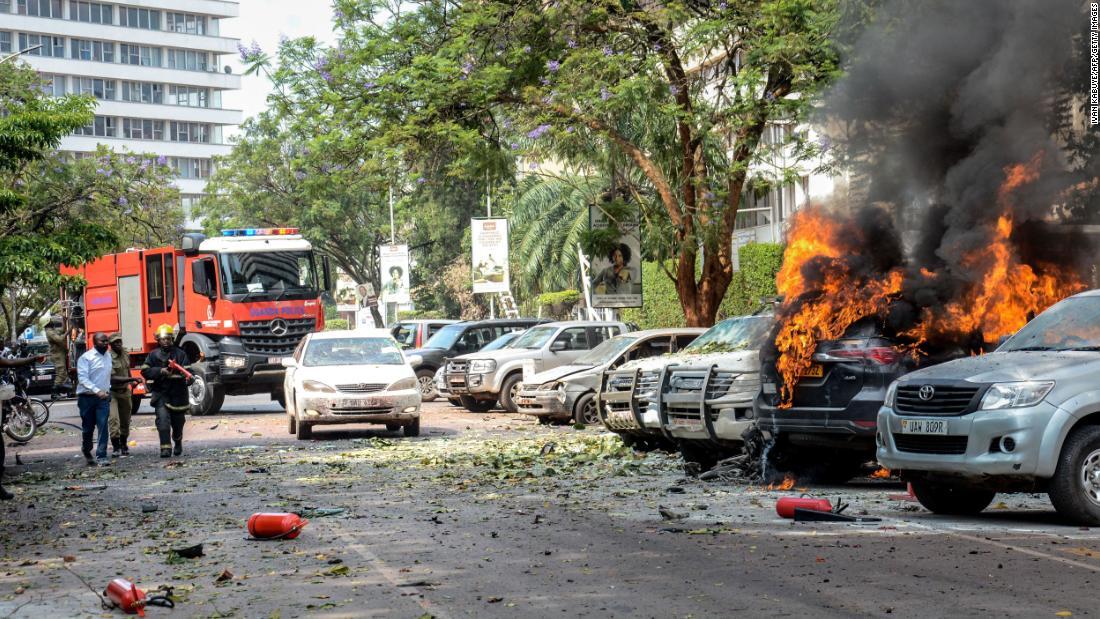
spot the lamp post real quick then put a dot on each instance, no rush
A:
(19, 53)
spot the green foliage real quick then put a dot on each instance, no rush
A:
(336, 324)
(564, 297)
(760, 263)
(660, 303)
(421, 315)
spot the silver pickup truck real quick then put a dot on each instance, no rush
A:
(1025, 418)
(479, 379)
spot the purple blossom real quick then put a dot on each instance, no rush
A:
(533, 166)
(657, 46)
(338, 14)
(162, 160)
(467, 67)
(527, 49)
(569, 129)
(514, 146)
(243, 51)
(553, 66)
(421, 180)
(130, 160)
(605, 94)
(545, 81)
(103, 172)
(368, 85)
(507, 124)
(300, 175)
(538, 131)
(673, 89)
(722, 5)
(571, 44)
(282, 38)
(122, 201)
(607, 51)
(256, 50)
(325, 75)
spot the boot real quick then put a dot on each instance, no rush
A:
(116, 450)
(125, 445)
(178, 451)
(165, 451)
(5, 495)
(88, 458)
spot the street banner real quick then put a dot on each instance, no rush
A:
(490, 255)
(616, 277)
(346, 294)
(394, 262)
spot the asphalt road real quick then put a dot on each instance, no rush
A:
(493, 515)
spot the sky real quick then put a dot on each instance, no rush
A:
(264, 21)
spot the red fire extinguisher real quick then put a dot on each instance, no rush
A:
(126, 596)
(179, 368)
(785, 506)
(275, 526)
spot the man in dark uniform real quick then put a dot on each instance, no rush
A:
(121, 402)
(59, 347)
(169, 388)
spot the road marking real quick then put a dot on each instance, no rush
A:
(1026, 551)
(389, 574)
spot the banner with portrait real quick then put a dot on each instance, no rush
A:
(393, 261)
(489, 259)
(615, 278)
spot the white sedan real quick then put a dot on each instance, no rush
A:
(360, 376)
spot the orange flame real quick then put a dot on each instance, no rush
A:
(787, 483)
(882, 473)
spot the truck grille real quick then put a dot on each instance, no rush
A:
(920, 444)
(457, 366)
(362, 387)
(947, 400)
(258, 338)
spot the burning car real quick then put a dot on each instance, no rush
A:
(1023, 418)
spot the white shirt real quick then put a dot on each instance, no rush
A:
(93, 372)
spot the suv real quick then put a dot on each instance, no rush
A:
(700, 399)
(1023, 418)
(569, 391)
(829, 429)
(415, 333)
(459, 339)
(480, 379)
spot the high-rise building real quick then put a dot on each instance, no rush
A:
(155, 66)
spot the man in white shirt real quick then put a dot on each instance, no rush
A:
(93, 398)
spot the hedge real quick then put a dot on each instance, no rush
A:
(661, 307)
(336, 324)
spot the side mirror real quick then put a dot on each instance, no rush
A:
(289, 362)
(415, 360)
(557, 346)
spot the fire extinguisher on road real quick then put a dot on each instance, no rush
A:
(125, 596)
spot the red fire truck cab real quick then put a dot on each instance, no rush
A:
(239, 303)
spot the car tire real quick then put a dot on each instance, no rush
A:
(292, 424)
(544, 420)
(393, 427)
(305, 431)
(476, 406)
(426, 379)
(951, 499)
(206, 398)
(508, 390)
(585, 412)
(455, 401)
(412, 429)
(1075, 488)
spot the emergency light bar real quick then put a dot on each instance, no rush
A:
(259, 231)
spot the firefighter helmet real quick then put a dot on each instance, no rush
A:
(164, 330)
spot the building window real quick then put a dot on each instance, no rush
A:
(100, 89)
(5, 6)
(142, 92)
(139, 18)
(190, 96)
(190, 132)
(53, 85)
(91, 12)
(102, 127)
(187, 167)
(142, 129)
(187, 23)
(51, 46)
(188, 60)
(139, 54)
(5, 41)
(40, 8)
(101, 51)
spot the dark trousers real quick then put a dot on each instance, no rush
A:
(94, 413)
(169, 422)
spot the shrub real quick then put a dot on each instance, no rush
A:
(565, 297)
(336, 324)
(423, 315)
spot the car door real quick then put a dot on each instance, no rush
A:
(564, 348)
(289, 377)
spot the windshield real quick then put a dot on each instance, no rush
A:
(732, 335)
(405, 334)
(503, 341)
(534, 338)
(446, 337)
(274, 273)
(1073, 324)
(352, 351)
(606, 351)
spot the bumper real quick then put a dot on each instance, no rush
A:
(546, 403)
(400, 407)
(470, 384)
(854, 423)
(982, 454)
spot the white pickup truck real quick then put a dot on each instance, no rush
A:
(479, 379)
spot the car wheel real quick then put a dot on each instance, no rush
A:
(476, 406)
(291, 424)
(508, 392)
(544, 420)
(412, 429)
(206, 398)
(305, 431)
(455, 401)
(426, 379)
(950, 499)
(393, 427)
(1075, 488)
(584, 411)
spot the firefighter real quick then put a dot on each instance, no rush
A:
(121, 402)
(169, 388)
(55, 335)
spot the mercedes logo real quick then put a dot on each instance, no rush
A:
(927, 392)
(279, 327)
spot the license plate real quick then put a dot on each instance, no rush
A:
(814, 371)
(43, 379)
(924, 426)
(525, 401)
(687, 424)
(275, 360)
(367, 403)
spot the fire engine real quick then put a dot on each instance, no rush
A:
(239, 302)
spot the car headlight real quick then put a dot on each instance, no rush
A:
(318, 386)
(482, 366)
(548, 386)
(234, 361)
(891, 394)
(1015, 395)
(404, 383)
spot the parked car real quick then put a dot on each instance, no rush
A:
(569, 391)
(441, 382)
(411, 334)
(1025, 418)
(459, 339)
(338, 377)
(483, 378)
(42, 379)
